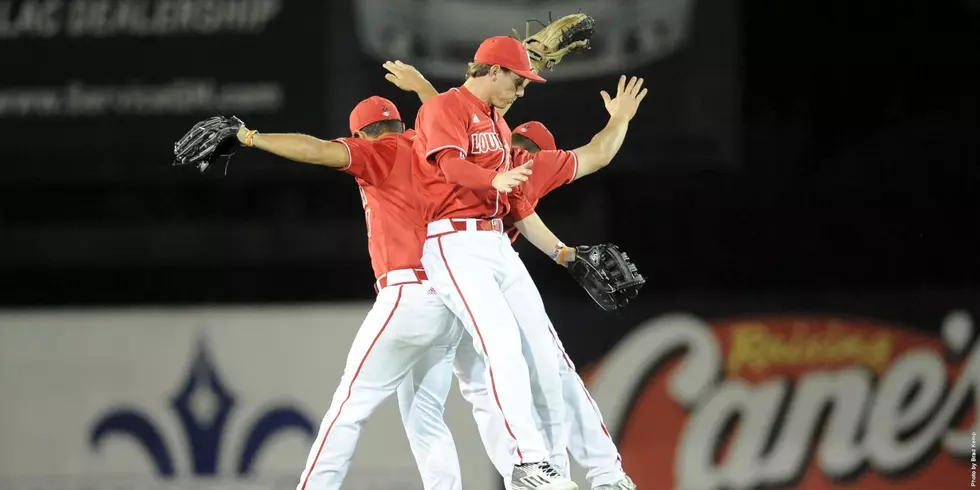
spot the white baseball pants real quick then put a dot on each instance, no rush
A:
(407, 326)
(590, 444)
(422, 404)
(479, 276)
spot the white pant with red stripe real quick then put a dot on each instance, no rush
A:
(589, 443)
(408, 328)
(480, 277)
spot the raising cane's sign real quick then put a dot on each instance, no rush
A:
(792, 402)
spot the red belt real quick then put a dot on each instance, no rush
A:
(458, 224)
(399, 277)
(481, 225)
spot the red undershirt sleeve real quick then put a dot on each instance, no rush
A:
(464, 172)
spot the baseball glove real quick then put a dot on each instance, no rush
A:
(549, 45)
(206, 141)
(607, 275)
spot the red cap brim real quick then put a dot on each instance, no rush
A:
(530, 75)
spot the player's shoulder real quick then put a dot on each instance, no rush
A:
(545, 160)
(381, 147)
(391, 141)
(554, 155)
(445, 100)
(452, 94)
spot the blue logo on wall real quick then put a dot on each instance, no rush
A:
(203, 406)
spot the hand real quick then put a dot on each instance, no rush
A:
(569, 257)
(628, 98)
(242, 133)
(507, 181)
(405, 76)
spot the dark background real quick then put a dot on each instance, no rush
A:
(849, 166)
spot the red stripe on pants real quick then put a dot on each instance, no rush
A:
(350, 387)
(588, 395)
(493, 384)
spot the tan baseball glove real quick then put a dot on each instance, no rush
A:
(549, 45)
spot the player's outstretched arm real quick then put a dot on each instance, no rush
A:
(458, 170)
(407, 78)
(536, 232)
(297, 147)
(606, 143)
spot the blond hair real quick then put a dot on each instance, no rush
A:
(475, 70)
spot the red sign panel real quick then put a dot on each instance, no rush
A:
(793, 402)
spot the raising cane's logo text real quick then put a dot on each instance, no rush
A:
(807, 403)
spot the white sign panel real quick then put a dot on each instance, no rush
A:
(215, 398)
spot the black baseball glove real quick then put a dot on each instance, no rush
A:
(206, 141)
(607, 275)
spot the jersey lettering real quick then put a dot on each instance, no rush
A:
(483, 143)
(367, 210)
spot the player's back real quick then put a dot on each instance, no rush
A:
(382, 169)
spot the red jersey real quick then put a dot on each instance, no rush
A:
(383, 170)
(552, 169)
(459, 121)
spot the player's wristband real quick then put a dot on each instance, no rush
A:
(560, 253)
(248, 137)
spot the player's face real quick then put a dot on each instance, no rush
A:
(507, 87)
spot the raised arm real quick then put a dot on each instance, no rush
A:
(297, 147)
(407, 78)
(606, 143)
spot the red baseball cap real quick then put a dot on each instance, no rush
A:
(509, 53)
(372, 110)
(537, 133)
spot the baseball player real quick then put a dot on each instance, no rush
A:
(590, 443)
(408, 326)
(466, 188)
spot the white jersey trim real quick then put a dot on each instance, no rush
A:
(350, 158)
(504, 158)
(575, 173)
(462, 152)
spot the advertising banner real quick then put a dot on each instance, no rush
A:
(804, 402)
(111, 80)
(211, 398)
(224, 398)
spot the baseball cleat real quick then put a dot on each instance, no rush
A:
(624, 484)
(539, 476)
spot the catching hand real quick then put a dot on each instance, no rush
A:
(627, 100)
(568, 34)
(607, 274)
(207, 140)
(507, 181)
